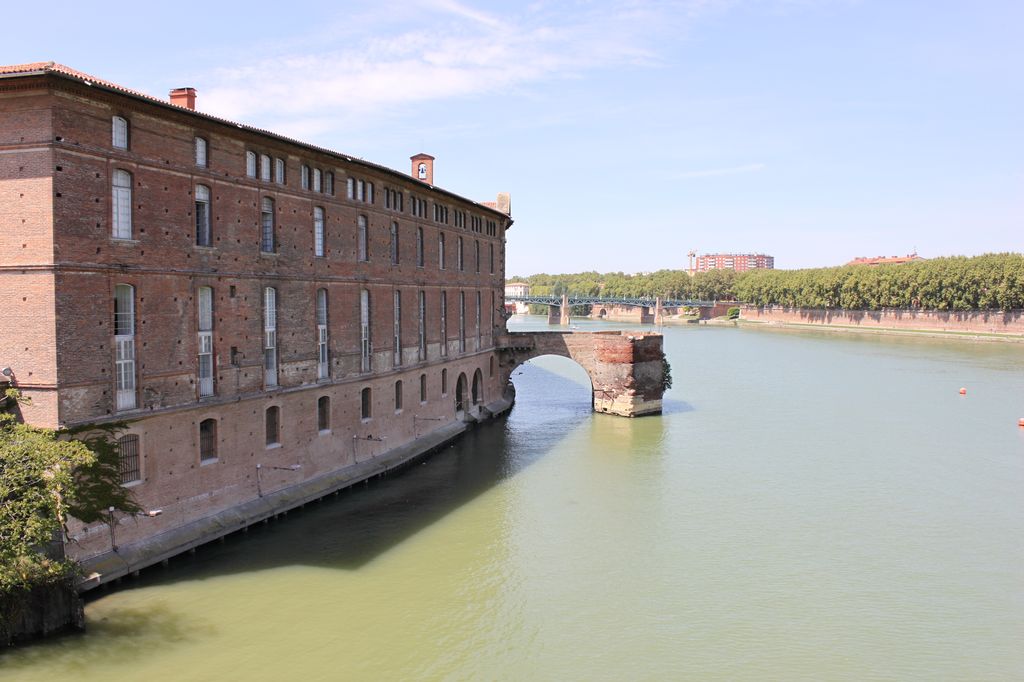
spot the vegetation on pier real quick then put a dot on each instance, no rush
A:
(956, 283)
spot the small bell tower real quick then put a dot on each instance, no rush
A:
(423, 168)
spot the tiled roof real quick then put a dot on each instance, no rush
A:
(38, 68)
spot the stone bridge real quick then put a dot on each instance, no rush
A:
(627, 369)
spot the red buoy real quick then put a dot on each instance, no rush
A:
(963, 391)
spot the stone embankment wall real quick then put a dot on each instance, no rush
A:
(980, 322)
(39, 612)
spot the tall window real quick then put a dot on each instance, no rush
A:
(462, 321)
(304, 177)
(317, 179)
(250, 164)
(444, 382)
(440, 250)
(444, 323)
(124, 342)
(398, 396)
(203, 236)
(201, 152)
(121, 202)
(479, 323)
(421, 331)
(318, 231)
(363, 246)
(365, 403)
(492, 257)
(323, 414)
(329, 183)
(265, 169)
(128, 455)
(394, 243)
(364, 329)
(458, 256)
(476, 244)
(398, 329)
(423, 388)
(279, 171)
(119, 132)
(273, 422)
(270, 337)
(267, 225)
(205, 298)
(323, 362)
(419, 247)
(207, 440)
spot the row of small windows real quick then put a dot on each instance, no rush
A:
(130, 456)
(122, 227)
(125, 324)
(272, 169)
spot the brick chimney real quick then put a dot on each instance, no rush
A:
(184, 97)
(423, 168)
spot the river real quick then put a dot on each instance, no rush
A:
(810, 506)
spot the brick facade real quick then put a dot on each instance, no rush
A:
(60, 265)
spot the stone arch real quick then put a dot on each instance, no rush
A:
(461, 393)
(627, 370)
(478, 387)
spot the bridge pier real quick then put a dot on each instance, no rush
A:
(627, 370)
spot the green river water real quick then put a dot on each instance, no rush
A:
(811, 506)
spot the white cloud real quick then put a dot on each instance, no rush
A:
(716, 172)
(438, 49)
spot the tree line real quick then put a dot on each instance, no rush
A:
(988, 282)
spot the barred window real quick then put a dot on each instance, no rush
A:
(364, 246)
(265, 167)
(318, 231)
(203, 236)
(279, 171)
(128, 455)
(250, 164)
(267, 226)
(207, 440)
(121, 202)
(124, 342)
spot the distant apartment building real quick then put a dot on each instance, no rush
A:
(886, 260)
(732, 261)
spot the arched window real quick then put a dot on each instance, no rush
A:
(273, 422)
(270, 337)
(121, 202)
(124, 342)
(207, 440)
(267, 240)
(318, 231)
(323, 361)
(265, 169)
(205, 300)
(130, 459)
(203, 235)
(365, 402)
(364, 241)
(250, 164)
(119, 132)
(364, 329)
(323, 414)
(201, 152)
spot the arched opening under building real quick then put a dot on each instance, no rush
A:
(478, 387)
(552, 388)
(602, 313)
(461, 390)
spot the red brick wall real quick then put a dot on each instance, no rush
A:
(982, 322)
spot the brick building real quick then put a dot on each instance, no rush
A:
(261, 312)
(733, 261)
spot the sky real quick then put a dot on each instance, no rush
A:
(628, 133)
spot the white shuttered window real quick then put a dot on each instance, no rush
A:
(205, 300)
(270, 337)
(124, 342)
(121, 200)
